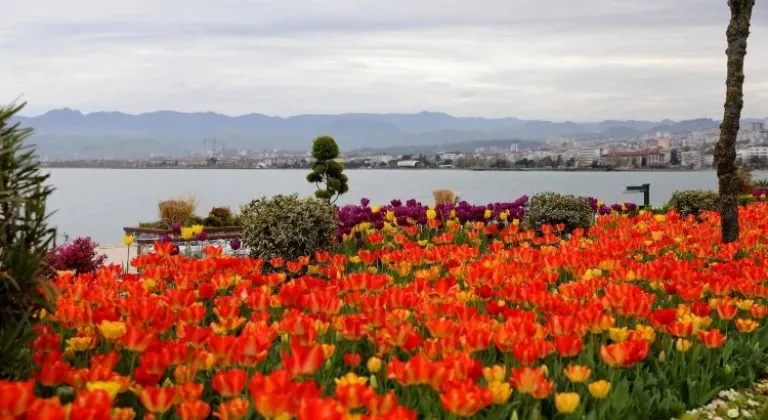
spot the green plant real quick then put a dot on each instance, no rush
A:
(326, 170)
(761, 183)
(214, 221)
(288, 226)
(153, 225)
(694, 201)
(745, 199)
(552, 209)
(222, 213)
(193, 220)
(25, 238)
(177, 210)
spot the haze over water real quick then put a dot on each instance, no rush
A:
(100, 202)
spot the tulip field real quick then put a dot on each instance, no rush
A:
(645, 316)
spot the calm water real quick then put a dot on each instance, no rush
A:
(99, 202)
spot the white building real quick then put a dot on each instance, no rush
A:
(691, 158)
(586, 156)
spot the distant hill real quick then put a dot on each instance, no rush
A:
(67, 133)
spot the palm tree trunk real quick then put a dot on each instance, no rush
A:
(725, 150)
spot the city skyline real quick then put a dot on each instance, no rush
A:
(564, 60)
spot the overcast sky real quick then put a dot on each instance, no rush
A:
(545, 59)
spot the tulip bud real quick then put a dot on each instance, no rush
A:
(374, 364)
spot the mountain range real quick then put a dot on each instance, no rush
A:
(68, 133)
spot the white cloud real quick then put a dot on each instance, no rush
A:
(559, 59)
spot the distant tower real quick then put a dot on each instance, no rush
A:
(514, 146)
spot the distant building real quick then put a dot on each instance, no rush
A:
(409, 164)
(634, 158)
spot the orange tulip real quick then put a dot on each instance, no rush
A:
(229, 383)
(303, 360)
(712, 339)
(16, 397)
(157, 399)
(193, 410)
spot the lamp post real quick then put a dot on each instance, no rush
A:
(645, 189)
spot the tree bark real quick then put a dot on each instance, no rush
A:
(725, 150)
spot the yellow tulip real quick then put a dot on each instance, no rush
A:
(375, 209)
(495, 373)
(599, 389)
(682, 345)
(128, 240)
(618, 334)
(187, 233)
(112, 330)
(566, 402)
(350, 379)
(374, 364)
(501, 392)
(112, 388)
(197, 229)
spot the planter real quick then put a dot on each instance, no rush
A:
(145, 238)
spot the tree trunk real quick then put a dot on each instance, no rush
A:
(725, 150)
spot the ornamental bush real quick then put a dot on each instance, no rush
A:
(687, 202)
(288, 226)
(552, 208)
(79, 256)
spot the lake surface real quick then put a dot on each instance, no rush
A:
(99, 202)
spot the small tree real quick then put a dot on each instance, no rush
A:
(725, 150)
(326, 170)
(24, 240)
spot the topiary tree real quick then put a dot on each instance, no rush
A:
(288, 226)
(326, 170)
(25, 238)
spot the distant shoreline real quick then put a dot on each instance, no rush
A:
(57, 166)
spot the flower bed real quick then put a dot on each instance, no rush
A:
(642, 317)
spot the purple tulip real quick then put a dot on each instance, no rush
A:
(235, 244)
(364, 202)
(202, 236)
(176, 228)
(165, 238)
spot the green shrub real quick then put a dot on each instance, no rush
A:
(288, 226)
(688, 202)
(25, 238)
(194, 220)
(746, 199)
(224, 214)
(154, 225)
(213, 221)
(552, 209)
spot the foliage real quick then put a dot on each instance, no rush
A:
(288, 226)
(694, 201)
(24, 239)
(193, 220)
(553, 209)
(744, 180)
(222, 213)
(177, 210)
(326, 170)
(80, 256)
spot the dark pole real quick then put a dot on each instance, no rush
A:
(646, 195)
